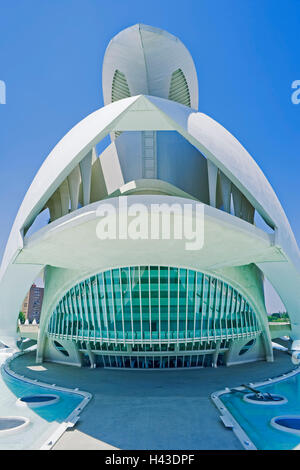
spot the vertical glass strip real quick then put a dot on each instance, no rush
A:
(70, 314)
(150, 316)
(79, 299)
(50, 324)
(131, 270)
(63, 317)
(178, 302)
(122, 305)
(159, 302)
(76, 313)
(141, 311)
(204, 303)
(92, 310)
(222, 308)
(241, 314)
(209, 306)
(231, 309)
(104, 305)
(96, 294)
(85, 308)
(58, 320)
(228, 303)
(55, 321)
(253, 320)
(113, 304)
(186, 305)
(169, 306)
(49, 329)
(236, 312)
(66, 307)
(216, 302)
(248, 318)
(195, 304)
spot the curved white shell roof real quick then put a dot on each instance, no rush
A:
(148, 56)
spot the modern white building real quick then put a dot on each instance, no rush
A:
(147, 302)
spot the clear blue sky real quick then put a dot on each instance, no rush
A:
(246, 53)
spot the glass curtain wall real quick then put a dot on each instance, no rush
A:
(152, 305)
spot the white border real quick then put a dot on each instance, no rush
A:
(71, 420)
(281, 428)
(38, 404)
(228, 417)
(283, 400)
(25, 422)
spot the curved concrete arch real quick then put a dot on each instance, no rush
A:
(217, 144)
(69, 151)
(151, 113)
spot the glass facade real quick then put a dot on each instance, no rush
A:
(162, 355)
(149, 309)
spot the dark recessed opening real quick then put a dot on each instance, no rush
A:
(247, 346)
(60, 348)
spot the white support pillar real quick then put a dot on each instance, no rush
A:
(91, 356)
(216, 354)
(74, 183)
(225, 184)
(212, 172)
(54, 205)
(247, 210)
(64, 197)
(86, 172)
(237, 201)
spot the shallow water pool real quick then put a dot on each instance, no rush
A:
(44, 420)
(255, 419)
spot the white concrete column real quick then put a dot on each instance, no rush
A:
(212, 171)
(74, 183)
(216, 354)
(91, 356)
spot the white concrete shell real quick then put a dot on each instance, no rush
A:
(280, 254)
(147, 57)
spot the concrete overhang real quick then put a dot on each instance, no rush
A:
(71, 242)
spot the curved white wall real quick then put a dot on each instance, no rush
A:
(150, 113)
(148, 56)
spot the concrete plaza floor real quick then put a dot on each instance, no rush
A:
(162, 410)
